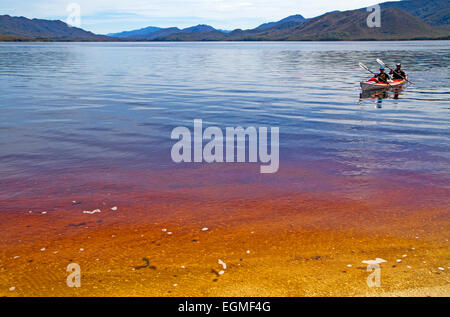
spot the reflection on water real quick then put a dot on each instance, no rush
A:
(67, 106)
(380, 94)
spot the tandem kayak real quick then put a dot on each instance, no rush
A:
(373, 85)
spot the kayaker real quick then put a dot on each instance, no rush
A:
(398, 73)
(382, 77)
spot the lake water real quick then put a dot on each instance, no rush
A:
(101, 109)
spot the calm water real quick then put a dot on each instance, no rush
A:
(68, 106)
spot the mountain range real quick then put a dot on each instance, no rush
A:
(152, 32)
(400, 20)
(18, 28)
(433, 12)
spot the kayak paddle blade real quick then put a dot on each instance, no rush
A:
(379, 61)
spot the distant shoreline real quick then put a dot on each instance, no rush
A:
(446, 38)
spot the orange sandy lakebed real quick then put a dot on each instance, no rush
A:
(224, 231)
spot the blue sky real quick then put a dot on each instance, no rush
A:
(105, 16)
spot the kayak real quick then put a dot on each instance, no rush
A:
(373, 85)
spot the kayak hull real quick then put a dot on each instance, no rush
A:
(371, 85)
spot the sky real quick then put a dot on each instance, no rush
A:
(108, 16)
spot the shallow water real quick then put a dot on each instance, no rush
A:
(90, 107)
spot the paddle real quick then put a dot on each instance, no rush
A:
(379, 61)
(367, 68)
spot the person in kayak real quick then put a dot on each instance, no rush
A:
(398, 73)
(382, 77)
